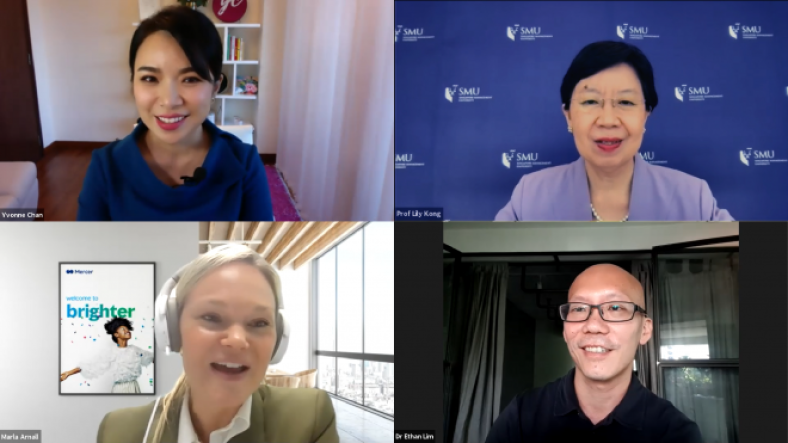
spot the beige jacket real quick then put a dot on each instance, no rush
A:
(278, 415)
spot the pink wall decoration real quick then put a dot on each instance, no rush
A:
(229, 11)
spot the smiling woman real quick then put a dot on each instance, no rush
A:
(607, 95)
(176, 164)
(222, 313)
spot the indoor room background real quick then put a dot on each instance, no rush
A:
(322, 117)
(514, 276)
(29, 270)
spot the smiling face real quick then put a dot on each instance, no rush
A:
(166, 86)
(229, 317)
(595, 285)
(122, 333)
(620, 83)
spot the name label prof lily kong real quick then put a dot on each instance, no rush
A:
(418, 214)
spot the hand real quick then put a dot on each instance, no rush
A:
(64, 376)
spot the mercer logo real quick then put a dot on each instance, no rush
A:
(79, 271)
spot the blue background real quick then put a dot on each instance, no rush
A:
(461, 144)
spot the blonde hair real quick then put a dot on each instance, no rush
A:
(192, 274)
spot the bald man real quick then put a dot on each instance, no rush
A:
(600, 399)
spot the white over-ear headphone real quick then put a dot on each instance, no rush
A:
(167, 331)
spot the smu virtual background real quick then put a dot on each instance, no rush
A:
(477, 101)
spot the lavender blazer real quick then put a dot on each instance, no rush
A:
(560, 193)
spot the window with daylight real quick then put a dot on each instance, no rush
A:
(354, 295)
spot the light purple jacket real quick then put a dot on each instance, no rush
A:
(560, 193)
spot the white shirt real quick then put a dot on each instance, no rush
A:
(238, 424)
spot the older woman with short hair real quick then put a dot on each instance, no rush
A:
(607, 95)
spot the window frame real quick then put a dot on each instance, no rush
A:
(656, 362)
(363, 356)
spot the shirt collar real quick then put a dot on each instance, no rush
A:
(238, 424)
(630, 412)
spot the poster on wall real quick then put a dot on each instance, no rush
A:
(106, 328)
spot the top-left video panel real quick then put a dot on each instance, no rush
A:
(192, 111)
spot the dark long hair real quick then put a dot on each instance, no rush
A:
(112, 326)
(195, 33)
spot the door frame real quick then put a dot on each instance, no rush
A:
(32, 72)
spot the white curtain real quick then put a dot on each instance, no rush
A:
(335, 144)
(700, 306)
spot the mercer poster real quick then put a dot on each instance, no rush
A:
(106, 328)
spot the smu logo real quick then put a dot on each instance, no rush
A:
(78, 271)
(651, 158)
(523, 33)
(461, 94)
(405, 161)
(410, 34)
(751, 157)
(521, 159)
(634, 32)
(747, 32)
(695, 93)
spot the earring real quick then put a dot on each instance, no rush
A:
(570, 129)
(644, 130)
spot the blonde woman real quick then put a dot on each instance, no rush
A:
(222, 313)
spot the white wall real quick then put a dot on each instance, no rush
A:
(81, 50)
(38, 40)
(575, 237)
(295, 292)
(29, 256)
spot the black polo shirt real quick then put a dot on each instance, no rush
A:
(552, 414)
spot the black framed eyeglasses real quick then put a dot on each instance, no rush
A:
(612, 311)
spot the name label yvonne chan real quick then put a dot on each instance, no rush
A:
(418, 214)
(23, 214)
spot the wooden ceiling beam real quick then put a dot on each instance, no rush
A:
(310, 236)
(211, 229)
(326, 241)
(269, 236)
(251, 231)
(285, 241)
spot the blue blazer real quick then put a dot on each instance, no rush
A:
(120, 185)
(560, 193)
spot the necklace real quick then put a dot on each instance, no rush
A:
(598, 218)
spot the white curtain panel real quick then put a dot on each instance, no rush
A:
(335, 143)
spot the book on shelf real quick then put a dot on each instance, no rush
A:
(235, 49)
